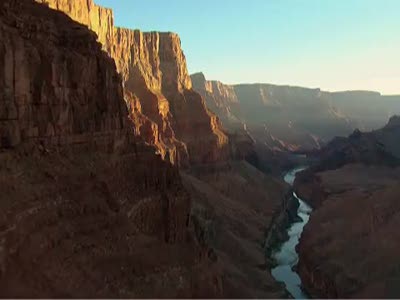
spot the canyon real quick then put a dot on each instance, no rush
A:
(349, 247)
(294, 118)
(115, 177)
(122, 176)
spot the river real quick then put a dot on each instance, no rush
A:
(286, 255)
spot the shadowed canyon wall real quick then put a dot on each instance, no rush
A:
(57, 96)
(87, 210)
(165, 109)
(354, 187)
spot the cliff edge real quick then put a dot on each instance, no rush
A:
(165, 109)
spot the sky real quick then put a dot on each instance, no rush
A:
(330, 44)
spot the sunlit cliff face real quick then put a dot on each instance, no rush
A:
(158, 90)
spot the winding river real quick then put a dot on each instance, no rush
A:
(286, 255)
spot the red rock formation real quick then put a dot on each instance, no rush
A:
(349, 248)
(86, 210)
(158, 90)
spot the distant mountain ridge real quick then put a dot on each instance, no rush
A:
(295, 118)
(378, 147)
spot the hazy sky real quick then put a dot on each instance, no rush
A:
(332, 44)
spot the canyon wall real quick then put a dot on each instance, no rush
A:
(354, 188)
(55, 96)
(220, 98)
(87, 210)
(237, 203)
(349, 247)
(367, 110)
(278, 117)
(295, 118)
(165, 109)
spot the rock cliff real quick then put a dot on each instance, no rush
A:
(220, 98)
(52, 95)
(158, 90)
(87, 210)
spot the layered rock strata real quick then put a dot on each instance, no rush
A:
(158, 90)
